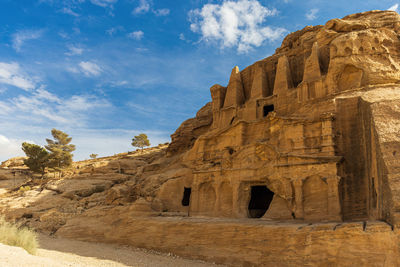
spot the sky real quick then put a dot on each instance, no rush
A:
(104, 71)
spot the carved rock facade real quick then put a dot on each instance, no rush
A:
(308, 133)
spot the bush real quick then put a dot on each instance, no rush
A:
(23, 189)
(15, 235)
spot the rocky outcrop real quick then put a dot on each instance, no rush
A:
(275, 170)
(16, 163)
(185, 136)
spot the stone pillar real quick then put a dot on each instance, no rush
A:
(194, 198)
(259, 87)
(283, 78)
(235, 91)
(283, 82)
(235, 199)
(218, 97)
(312, 69)
(242, 130)
(298, 193)
(328, 144)
(334, 209)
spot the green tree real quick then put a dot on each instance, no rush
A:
(93, 156)
(141, 141)
(60, 150)
(38, 158)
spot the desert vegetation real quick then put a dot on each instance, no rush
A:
(56, 155)
(140, 141)
(15, 235)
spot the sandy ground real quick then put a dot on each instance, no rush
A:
(57, 252)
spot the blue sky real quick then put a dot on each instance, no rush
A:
(106, 70)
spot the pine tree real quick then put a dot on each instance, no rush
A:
(141, 141)
(38, 158)
(60, 150)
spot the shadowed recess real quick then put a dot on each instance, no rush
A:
(261, 198)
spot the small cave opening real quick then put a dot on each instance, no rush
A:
(260, 201)
(186, 196)
(267, 109)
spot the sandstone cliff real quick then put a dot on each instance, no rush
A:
(304, 142)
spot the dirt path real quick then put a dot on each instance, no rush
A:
(59, 252)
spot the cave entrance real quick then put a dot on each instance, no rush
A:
(186, 196)
(267, 109)
(260, 200)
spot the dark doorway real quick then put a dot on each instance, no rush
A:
(260, 200)
(186, 196)
(268, 109)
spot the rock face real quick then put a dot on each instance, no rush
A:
(309, 135)
(302, 134)
(14, 163)
(185, 136)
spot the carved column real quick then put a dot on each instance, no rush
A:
(298, 193)
(327, 137)
(235, 199)
(334, 209)
(194, 198)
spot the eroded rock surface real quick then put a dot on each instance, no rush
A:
(307, 136)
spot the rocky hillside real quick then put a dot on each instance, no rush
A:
(128, 179)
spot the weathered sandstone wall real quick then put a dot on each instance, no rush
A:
(294, 163)
(248, 243)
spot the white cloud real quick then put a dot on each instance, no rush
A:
(12, 74)
(161, 12)
(234, 24)
(111, 31)
(73, 69)
(5, 109)
(143, 7)
(394, 8)
(104, 3)
(35, 114)
(43, 106)
(43, 94)
(182, 37)
(20, 37)
(137, 35)
(74, 50)
(83, 103)
(76, 30)
(312, 14)
(10, 148)
(114, 30)
(90, 68)
(69, 11)
(63, 35)
(119, 83)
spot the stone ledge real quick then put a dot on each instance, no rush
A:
(248, 242)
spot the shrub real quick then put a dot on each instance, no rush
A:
(15, 235)
(23, 189)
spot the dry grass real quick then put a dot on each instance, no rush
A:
(14, 235)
